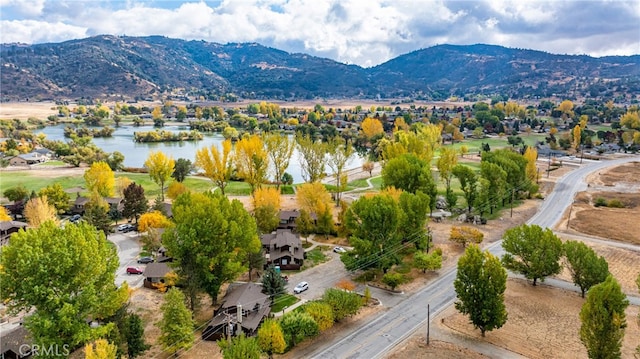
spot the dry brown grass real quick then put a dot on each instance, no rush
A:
(543, 323)
(416, 347)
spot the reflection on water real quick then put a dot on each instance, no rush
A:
(136, 153)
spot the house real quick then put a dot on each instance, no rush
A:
(7, 228)
(115, 203)
(288, 219)
(283, 248)
(154, 274)
(15, 343)
(244, 307)
(27, 159)
(45, 152)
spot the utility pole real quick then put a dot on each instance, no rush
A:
(428, 323)
(512, 194)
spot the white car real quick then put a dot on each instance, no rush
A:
(339, 249)
(301, 287)
(123, 227)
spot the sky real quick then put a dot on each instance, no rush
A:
(361, 32)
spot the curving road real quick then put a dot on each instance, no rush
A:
(383, 333)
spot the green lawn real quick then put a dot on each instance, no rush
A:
(35, 183)
(283, 301)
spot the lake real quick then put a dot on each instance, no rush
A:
(136, 153)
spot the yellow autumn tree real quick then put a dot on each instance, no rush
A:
(279, 148)
(153, 219)
(100, 349)
(371, 127)
(252, 162)
(266, 196)
(630, 120)
(157, 113)
(122, 183)
(160, 168)
(531, 155)
(100, 178)
(175, 189)
(313, 197)
(465, 234)
(577, 134)
(38, 210)
(216, 164)
(4, 216)
(391, 192)
(463, 150)
(566, 107)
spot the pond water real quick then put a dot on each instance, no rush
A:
(136, 153)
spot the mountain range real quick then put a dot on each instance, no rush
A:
(123, 67)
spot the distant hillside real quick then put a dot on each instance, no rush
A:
(141, 67)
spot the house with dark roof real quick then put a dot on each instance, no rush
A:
(242, 310)
(154, 274)
(16, 343)
(288, 219)
(283, 248)
(26, 159)
(115, 203)
(7, 228)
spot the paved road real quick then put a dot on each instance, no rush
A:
(128, 251)
(384, 332)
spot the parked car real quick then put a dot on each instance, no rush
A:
(339, 249)
(145, 260)
(301, 287)
(134, 270)
(75, 218)
(123, 227)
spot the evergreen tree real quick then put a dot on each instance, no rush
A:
(272, 282)
(176, 326)
(134, 334)
(134, 202)
(480, 285)
(97, 213)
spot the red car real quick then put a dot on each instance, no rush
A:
(134, 270)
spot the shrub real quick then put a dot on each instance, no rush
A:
(600, 202)
(615, 203)
(393, 280)
(343, 303)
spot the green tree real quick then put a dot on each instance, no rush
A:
(176, 325)
(344, 304)
(252, 162)
(312, 158)
(586, 267)
(393, 279)
(532, 252)
(97, 213)
(406, 172)
(134, 203)
(468, 183)
(304, 223)
(272, 282)
(182, 169)
(84, 266)
(134, 334)
(297, 326)
(240, 347)
(270, 337)
(324, 223)
(255, 260)
(321, 312)
(115, 160)
(413, 219)
(267, 218)
(209, 242)
(427, 261)
(160, 169)
(603, 320)
(373, 222)
(16, 194)
(446, 163)
(56, 196)
(279, 149)
(480, 284)
(100, 178)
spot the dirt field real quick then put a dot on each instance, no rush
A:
(620, 183)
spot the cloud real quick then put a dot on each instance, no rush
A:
(352, 31)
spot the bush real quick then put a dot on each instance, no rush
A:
(343, 303)
(600, 202)
(393, 280)
(615, 203)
